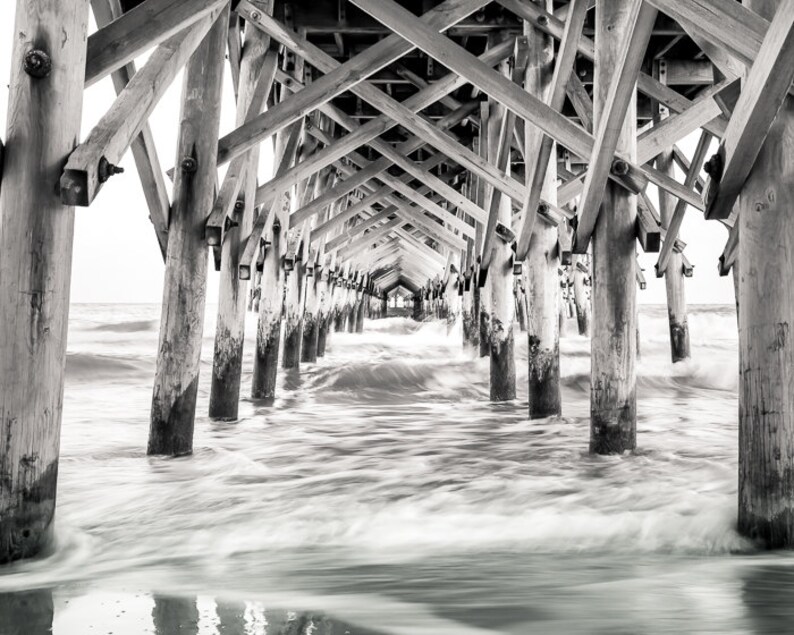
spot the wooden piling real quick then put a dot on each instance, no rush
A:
(182, 322)
(501, 305)
(483, 300)
(613, 377)
(311, 324)
(227, 360)
(293, 317)
(361, 310)
(268, 330)
(271, 303)
(581, 277)
(766, 347)
(542, 281)
(324, 294)
(674, 272)
(36, 230)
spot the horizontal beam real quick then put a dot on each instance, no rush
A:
(338, 78)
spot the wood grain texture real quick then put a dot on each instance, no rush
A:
(36, 232)
(184, 293)
(613, 375)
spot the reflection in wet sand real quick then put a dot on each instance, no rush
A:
(26, 613)
(173, 615)
(768, 596)
(231, 618)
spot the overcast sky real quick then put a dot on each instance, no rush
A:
(116, 257)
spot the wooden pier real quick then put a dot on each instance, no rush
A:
(490, 160)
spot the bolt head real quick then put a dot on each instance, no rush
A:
(37, 63)
(254, 15)
(620, 167)
(189, 165)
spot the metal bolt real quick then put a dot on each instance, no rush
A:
(713, 167)
(229, 223)
(239, 205)
(189, 165)
(255, 15)
(37, 63)
(620, 167)
(543, 20)
(107, 169)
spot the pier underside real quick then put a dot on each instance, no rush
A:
(497, 164)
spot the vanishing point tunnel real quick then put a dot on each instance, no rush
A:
(491, 160)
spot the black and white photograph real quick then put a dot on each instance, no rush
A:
(396, 317)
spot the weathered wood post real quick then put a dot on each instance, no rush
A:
(324, 292)
(483, 299)
(268, 331)
(293, 318)
(521, 304)
(227, 363)
(581, 277)
(613, 376)
(184, 293)
(384, 305)
(311, 325)
(340, 299)
(36, 230)
(766, 347)
(501, 304)
(541, 281)
(352, 302)
(674, 272)
(361, 303)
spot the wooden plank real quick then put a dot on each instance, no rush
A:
(611, 120)
(532, 110)
(730, 252)
(399, 113)
(228, 194)
(581, 101)
(338, 78)
(499, 154)
(144, 152)
(671, 129)
(234, 51)
(417, 217)
(539, 153)
(646, 84)
(648, 232)
(149, 24)
(269, 213)
(678, 214)
(93, 161)
(379, 126)
(725, 23)
(378, 168)
(763, 92)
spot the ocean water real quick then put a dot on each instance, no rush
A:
(383, 494)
